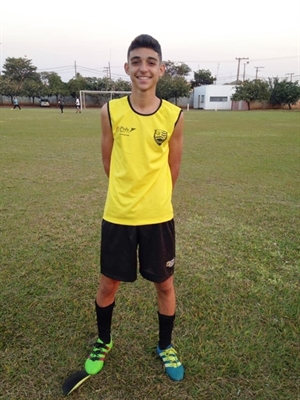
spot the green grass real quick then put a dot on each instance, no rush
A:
(237, 272)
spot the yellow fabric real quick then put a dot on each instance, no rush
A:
(140, 184)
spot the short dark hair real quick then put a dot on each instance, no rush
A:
(147, 41)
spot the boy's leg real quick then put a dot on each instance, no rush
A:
(166, 311)
(122, 264)
(106, 291)
(166, 301)
(104, 309)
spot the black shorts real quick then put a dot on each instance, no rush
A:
(124, 247)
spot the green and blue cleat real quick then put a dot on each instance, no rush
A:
(173, 367)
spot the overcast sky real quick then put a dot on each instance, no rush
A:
(205, 34)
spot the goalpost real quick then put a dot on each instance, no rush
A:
(83, 93)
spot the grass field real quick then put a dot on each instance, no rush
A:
(237, 272)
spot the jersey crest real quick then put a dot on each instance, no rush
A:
(160, 136)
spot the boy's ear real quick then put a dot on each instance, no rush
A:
(162, 69)
(126, 68)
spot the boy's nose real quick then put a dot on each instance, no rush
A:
(144, 67)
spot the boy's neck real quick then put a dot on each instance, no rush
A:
(144, 102)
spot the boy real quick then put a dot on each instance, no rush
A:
(77, 104)
(16, 103)
(142, 138)
(61, 104)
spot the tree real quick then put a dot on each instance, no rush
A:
(176, 69)
(164, 87)
(53, 85)
(77, 84)
(105, 83)
(172, 87)
(92, 83)
(8, 88)
(202, 77)
(33, 88)
(122, 85)
(249, 91)
(17, 70)
(173, 83)
(284, 92)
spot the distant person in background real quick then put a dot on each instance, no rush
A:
(61, 104)
(78, 110)
(16, 103)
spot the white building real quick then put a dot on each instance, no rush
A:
(213, 97)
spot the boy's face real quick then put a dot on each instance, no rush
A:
(144, 68)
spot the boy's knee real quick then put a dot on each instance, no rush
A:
(107, 287)
(165, 286)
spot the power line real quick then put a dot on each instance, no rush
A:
(230, 61)
(224, 77)
(55, 68)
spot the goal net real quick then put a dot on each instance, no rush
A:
(96, 98)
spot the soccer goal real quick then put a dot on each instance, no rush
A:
(96, 98)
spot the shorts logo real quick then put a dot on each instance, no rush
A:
(171, 263)
(160, 136)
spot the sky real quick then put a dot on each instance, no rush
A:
(91, 37)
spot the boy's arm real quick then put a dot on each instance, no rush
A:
(106, 140)
(175, 149)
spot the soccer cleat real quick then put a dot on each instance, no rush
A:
(173, 367)
(95, 362)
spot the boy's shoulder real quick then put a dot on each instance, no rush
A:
(170, 107)
(118, 103)
(118, 106)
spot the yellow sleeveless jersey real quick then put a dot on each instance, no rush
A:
(140, 183)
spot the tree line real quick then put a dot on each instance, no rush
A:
(20, 78)
(277, 93)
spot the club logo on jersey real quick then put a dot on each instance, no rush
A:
(160, 136)
(123, 130)
(170, 263)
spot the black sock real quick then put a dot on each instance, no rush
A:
(166, 324)
(104, 317)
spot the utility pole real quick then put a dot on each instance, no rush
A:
(291, 75)
(238, 69)
(75, 67)
(107, 70)
(217, 73)
(244, 74)
(257, 68)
